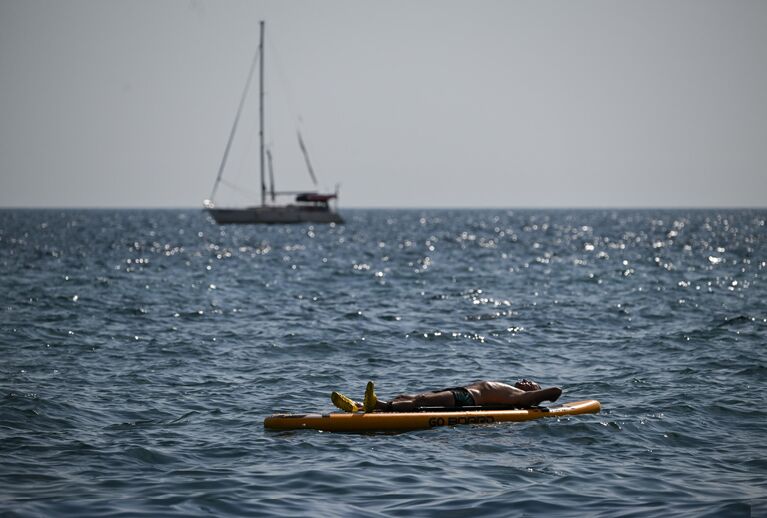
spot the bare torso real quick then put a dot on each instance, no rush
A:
(492, 392)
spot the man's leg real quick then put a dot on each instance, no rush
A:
(411, 403)
(406, 402)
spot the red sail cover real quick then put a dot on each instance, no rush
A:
(314, 197)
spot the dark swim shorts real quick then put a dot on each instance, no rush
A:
(462, 396)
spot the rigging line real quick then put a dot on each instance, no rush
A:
(306, 157)
(239, 188)
(291, 105)
(283, 79)
(234, 125)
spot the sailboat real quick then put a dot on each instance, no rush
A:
(307, 207)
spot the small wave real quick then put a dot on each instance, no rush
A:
(149, 456)
(489, 316)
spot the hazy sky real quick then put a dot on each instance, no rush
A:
(404, 103)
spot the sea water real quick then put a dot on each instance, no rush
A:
(141, 350)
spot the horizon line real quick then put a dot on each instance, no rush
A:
(393, 208)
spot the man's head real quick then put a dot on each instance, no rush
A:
(527, 385)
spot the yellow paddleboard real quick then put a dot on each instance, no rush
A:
(404, 421)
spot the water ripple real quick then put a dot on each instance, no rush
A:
(142, 350)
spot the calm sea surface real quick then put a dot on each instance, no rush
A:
(141, 350)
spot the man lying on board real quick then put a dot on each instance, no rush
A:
(523, 394)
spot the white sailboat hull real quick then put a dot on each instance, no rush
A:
(275, 215)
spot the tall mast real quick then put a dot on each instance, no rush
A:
(261, 111)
